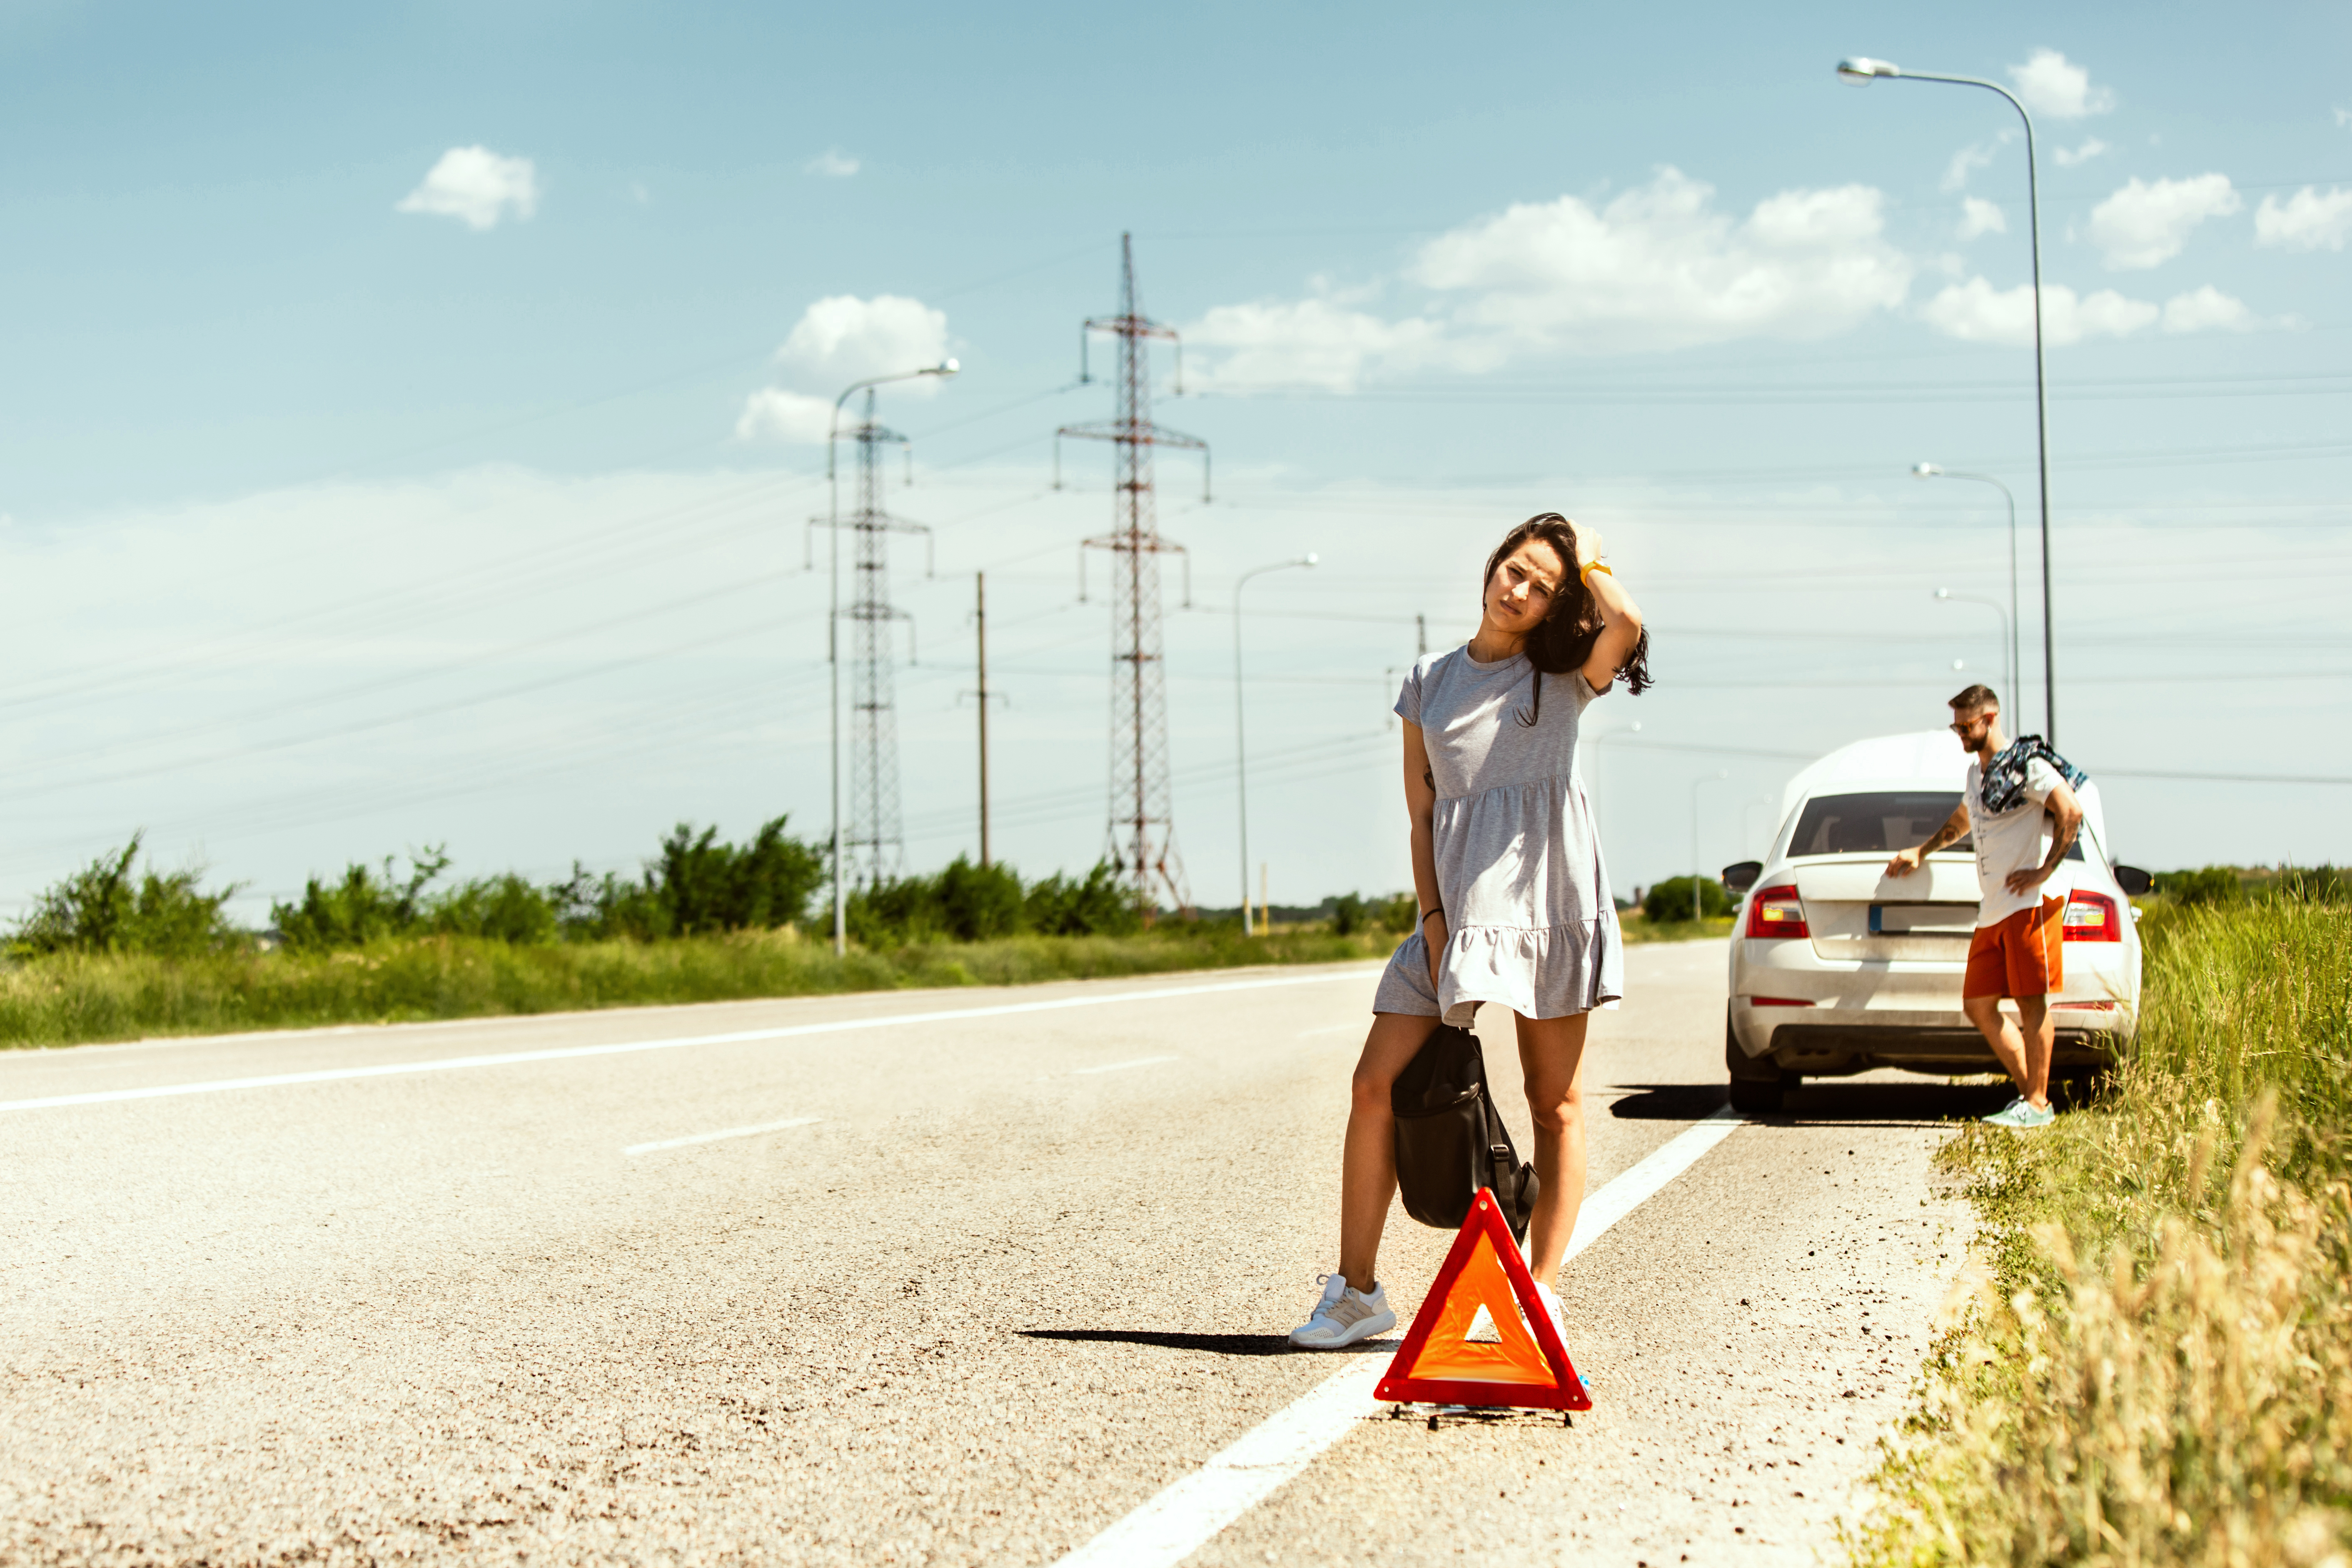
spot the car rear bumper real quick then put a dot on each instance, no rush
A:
(1820, 1049)
(1847, 1016)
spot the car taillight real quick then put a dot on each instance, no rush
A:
(1775, 913)
(1777, 1002)
(2092, 917)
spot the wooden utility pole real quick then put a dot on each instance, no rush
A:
(979, 621)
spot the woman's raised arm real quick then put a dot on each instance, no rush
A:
(1621, 617)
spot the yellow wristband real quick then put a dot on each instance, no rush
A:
(1598, 565)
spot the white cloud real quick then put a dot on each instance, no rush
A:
(2305, 221)
(772, 413)
(2068, 157)
(2056, 88)
(833, 164)
(1656, 267)
(2202, 310)
(1977, 312)
(839, 340)
(2343, 118)
(475, 186)
(2145, 223)
(1659, 267)
(1978, 216)
(1308, 343)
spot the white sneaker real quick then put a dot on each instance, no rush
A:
(1344, 1316)
(1558, 1323)
(1552, 1305)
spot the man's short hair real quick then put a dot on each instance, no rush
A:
(1975, 696)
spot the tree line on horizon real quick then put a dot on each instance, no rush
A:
(695, 885)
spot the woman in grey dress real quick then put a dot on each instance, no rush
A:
(1514, 903)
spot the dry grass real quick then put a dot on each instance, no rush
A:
(2159, 1367)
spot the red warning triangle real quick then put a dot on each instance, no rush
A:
(1528, 1368)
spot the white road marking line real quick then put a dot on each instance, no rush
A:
(1122, 1066)
(1181, 1519)
(715, 1137)
(737, 1037)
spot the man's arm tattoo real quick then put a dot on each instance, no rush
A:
(2062, 839)
(1948, 834)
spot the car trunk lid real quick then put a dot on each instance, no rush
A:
(1855, 910)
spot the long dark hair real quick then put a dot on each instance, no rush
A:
(1564, 638)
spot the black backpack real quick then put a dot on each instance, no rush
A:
(1449, 1141)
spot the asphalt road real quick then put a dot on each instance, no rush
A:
(988, 1281)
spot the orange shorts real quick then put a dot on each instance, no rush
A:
(2024, 956)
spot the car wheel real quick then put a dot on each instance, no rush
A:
(1756, 1082)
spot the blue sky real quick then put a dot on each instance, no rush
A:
(351, 507)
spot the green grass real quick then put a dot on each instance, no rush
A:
(2158, 1368)
(1638, 929)
(68, 998)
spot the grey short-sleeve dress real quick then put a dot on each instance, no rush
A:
(1529, 921)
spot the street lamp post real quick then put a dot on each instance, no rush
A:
(1862, 71)
(2007, 676)
(2016, 660)
(1697, 880)
(1241, 752)
(944, 369)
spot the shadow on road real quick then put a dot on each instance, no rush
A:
(1874, 1102)
(1924, 1103)
(1214, 1344)
(1667, 1101)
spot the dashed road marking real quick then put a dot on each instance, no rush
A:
(661, 1143)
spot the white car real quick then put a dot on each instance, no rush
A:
(1837, 968)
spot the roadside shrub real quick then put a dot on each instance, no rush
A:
(361, 908)
(1097, 904)
(695, 885)
(965, 902)
(977, 902)
(506, 908)
(2212, 885)
(1671, 899)
(105, 908)
(1352, 912)
(702, 884)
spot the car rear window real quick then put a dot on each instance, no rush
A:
(1880, 822)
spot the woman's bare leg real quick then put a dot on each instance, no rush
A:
(1551, 1055)
(1367, 1166)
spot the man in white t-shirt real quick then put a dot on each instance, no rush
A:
(2022, 880)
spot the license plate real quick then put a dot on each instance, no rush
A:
(1923, 920)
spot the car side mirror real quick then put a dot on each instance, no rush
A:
(1740, 874)
(2135, 882)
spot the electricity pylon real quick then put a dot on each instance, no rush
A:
(1141, 835)
(873, 847)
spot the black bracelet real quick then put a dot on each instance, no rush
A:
(1440, 913)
